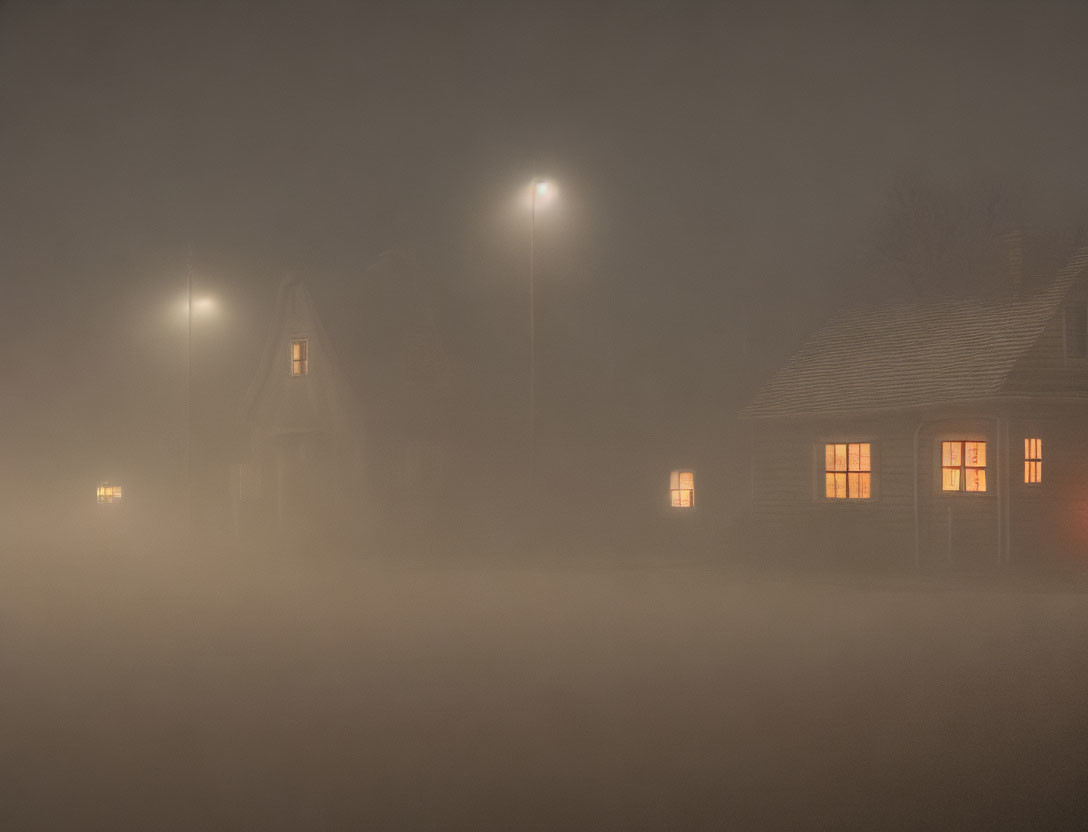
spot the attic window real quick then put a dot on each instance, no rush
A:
(108, 493)
(300, 357)
(1033, 461)
(848, 471)
(963, 466)
(682, 489)
(1076, 330)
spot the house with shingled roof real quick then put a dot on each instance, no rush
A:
(301, 465)
(946, 432)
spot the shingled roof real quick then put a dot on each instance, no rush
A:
(912, 355)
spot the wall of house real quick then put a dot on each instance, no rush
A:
(961, 529)
(794, 523)
(910, 519)
(1048, 521)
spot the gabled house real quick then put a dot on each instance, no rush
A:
(371, 444)
(923, 434)
(302, 445)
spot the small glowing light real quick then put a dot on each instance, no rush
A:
(542, 188)
(203, 305)
(108, 493)
(682, 489)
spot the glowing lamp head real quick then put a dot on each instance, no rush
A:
(541, 188)
(204, 308)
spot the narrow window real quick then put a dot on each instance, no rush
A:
(847, 471)
(1076, 330)
(107, 493)
(963, 466)
(682, 489)
(1033, 461)
(300, 357)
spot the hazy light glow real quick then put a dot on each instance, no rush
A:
(108, 493)
(541, 193)
(204, 308)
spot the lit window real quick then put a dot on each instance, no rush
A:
(963, 466)
(300, 357)
(1033, 460)
(848, 471)
(682, 489)
(109, 493)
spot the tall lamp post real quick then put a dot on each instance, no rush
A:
(206, 306)
(189, 397)
(539, 188)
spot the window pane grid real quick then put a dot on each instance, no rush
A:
(963, 466)
(1033, 461)
(847, 471)
(682, 489)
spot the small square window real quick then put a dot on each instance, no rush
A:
(848, 471)
(1033, 461)
(963, 466)
(300, 356)
(682, 489)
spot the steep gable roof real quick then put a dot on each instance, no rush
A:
(912, 355)
(276, 403)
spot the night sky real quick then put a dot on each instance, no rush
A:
(719, 165)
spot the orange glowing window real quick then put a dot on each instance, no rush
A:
(848, 471)
(108, 493)
(1033, 461)
(682, 489)
(963, 466)
(300, 357)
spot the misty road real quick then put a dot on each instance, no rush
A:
(144, 692)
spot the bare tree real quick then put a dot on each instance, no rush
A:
(938, 240)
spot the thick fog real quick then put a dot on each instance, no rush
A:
(355, 358)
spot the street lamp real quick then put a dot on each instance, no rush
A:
(539, 188)
(189, 399)
(202, 306)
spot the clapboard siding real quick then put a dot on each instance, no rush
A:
(1011, 521)
(798, 524)
(1050, 520)
(906, 378)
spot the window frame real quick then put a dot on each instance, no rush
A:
(963, 467)
(108, 493)
(819, 458)
(1036, 460)
(303, 361)
(824, 471)
(675, 487)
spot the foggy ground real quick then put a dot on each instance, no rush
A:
(251, 692)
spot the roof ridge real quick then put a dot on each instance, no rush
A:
(898, 354)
